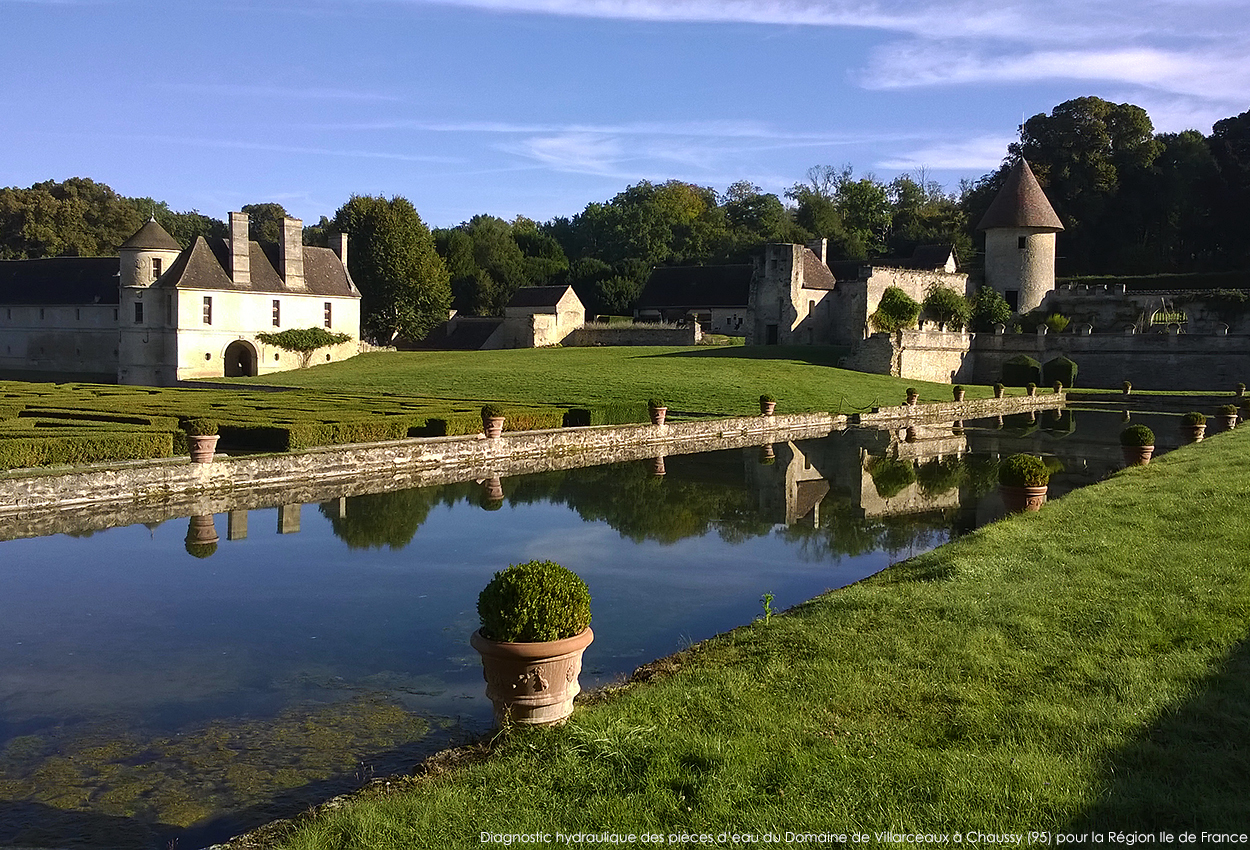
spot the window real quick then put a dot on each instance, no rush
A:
(277, 313)
(1021, 242)
(208, 309)
(9, 313)
(78, 314)
(115, 311)
(41, 314)
(327, 319)
(1013, 299)
(156, 267)
(138, 312)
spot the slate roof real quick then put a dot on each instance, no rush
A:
(1020, 203)
(697, 286)
(152, 237)
(923, 258)
(537, 296)
(205, 266)
(60, 280)
(816, 275)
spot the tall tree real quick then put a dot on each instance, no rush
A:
(404, 286)
(264, 221)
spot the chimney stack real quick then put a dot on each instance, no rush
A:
(291, 253)
(240, 251)
(820, 247)
(338, 242)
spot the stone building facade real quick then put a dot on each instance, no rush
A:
(159, 314)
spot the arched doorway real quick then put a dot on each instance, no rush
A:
(240, 359)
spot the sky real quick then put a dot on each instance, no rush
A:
(539, 107)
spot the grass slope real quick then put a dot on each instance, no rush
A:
(1084, 668)
(719, 381)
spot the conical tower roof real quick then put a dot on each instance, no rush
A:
(1020, 203)
(151, 237)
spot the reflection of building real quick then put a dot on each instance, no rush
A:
(789, 486)
(159, 314)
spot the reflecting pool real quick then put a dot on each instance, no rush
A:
(192, 678)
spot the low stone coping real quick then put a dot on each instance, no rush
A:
(176, 487)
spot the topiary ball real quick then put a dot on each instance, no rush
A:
(534, 602)
(1137, 435)
(1023, 471)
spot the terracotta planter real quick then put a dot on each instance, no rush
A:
(201, 529)
(1137, 455)
(492, 426)
(532, 684)
(657, 414)
(767, 408)
(767, 453)
(202, 447)
(657, 466)
(998, 392)
(959, 395)
(912, 398)
(1020, 499)
(493, 489)
(1230, 422)
(1030, 390)
(1193, 433)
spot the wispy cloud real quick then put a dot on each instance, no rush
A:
(238, 144)
(983, 153)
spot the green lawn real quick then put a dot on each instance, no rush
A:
(1081, 669)
(702, 379)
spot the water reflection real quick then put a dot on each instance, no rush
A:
(333, 642)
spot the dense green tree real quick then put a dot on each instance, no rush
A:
(77, 217)
(264, 221)
(404, 285)
(922, 213)
(1230, 148)
(755, 217)
(989, 308)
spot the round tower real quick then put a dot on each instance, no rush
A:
(147, 255)
(1020, 228)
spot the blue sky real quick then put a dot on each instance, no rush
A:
(538, 107)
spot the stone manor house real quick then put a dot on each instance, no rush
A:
(158, 314)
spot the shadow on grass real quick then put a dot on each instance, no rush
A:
(816, 355)
(1190, 770)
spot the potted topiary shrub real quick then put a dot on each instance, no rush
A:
(1023, 481)
(768, 405)
(958, 392)
(658, 409)
(1138, 444)
(1126, 387)
(1228, 415)
(202, 439)
(1058, 387)
(1193, 426)
(535, 626)
(1241, 389)
(492, 420)
(912, 395)
(1030, 388)
(998, 390)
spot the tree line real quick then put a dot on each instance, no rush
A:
(1133, 202)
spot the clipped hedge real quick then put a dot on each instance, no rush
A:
(1021, 370)
(1059, 369)
(84, 448)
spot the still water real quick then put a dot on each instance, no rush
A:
(193, 678)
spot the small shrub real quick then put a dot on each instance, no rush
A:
(1127, 387)
(1137, 435)
(768, 399)
(200, 427)
(1193, 419)
(200, 550)
(989, 308)
(1241, 388)
(1031, 387)
(1058, 386)
(947, 306)
(1057, 322)
(911, 391)
(655, 403)
(896, 310)
(1023, 471)
(998, 389)
(1227, 410)
(534, 602)
(492, 411)
(957, 389)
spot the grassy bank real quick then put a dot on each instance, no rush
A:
(725, 381)
(1082, 669)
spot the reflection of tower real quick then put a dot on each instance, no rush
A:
(657, 466)
(288, 519)
(1020, 228)
(492, 493)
